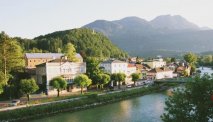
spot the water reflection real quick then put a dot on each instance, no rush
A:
(147, 108)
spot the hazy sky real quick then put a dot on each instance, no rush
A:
(30, 18)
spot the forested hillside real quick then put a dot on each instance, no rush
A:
(86, 41)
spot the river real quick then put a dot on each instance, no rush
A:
(146, 108)
(205, 70)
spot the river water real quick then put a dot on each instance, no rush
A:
(146, 108)
(205, 70)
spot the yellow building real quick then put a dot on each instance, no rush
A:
(33, 59)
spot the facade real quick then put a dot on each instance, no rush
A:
(114, 66)
(33, 59)
(59, 67)
(131, 68)
(160, 73)
(155, 63)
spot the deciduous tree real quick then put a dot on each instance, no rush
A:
(192, 103)
(121, 78)
(28, 86)
(82, 81)
(70, 52)
(58, 83)
(135, 77)
(11, 54)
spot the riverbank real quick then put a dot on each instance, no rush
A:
(84, 103)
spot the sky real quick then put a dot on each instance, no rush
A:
(31, 18)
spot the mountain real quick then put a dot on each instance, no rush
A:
(86, 41)
(165, 35)
(173, 23)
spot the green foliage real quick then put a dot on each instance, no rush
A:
(87, 43)
(82, 81)
(135, 77)
(191, 58)
(35, 50)
(185, 73)
(28, 86)
(206, 60)
(118, 77)
(3, 81)
(192, 103)
(58, 83)
(173, 59)
(103, 79)
(93, 69)
(11, 55)
(70, 52)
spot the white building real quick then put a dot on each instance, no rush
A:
(155, 63)
(59, 67)
(114, 66)
(160, 73)
(131, 68)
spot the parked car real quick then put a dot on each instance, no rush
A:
(15, 102)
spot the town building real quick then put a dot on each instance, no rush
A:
(155, 63)
(131, 68)
(59, 67)
(33, 59)
(114, 66)
(160, 73)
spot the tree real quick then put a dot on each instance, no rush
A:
(121, 78)
(135, 77)
(192, 103)
(173, 59)
(191, 58)
(70, 52)
(3, 81)
(104, 79)
(58, 83)
(28, 86)
(11, 55)
(93, 70)
(82, 81)
(185, 73)
(114, 78)
(168, 60)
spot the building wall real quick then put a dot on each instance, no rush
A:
(31, 63)
(119, 68)
(68, 70)
(166, 74)
(155, 64)
(115, 67)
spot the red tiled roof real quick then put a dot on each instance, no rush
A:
(131, 65)
(162, 69)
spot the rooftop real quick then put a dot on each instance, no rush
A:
(47, 55)
(162, 69)
(113, 61)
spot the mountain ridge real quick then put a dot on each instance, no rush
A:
(169, 33)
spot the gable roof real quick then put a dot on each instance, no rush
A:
(47, 55)
(44, 55)
(113, 61)
(131, 65)
(162, 69)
